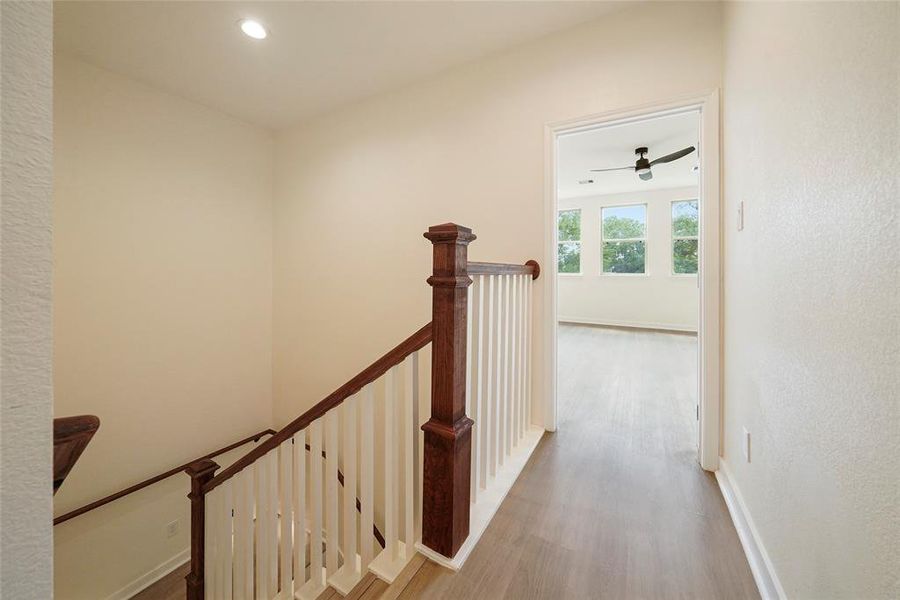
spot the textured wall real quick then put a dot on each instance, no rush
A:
(812, 292)
(25, 300)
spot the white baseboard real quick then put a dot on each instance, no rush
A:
(632, 324)
(760, 564)
(148, 579)
(489, 500)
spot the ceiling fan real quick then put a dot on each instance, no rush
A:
(642, 164)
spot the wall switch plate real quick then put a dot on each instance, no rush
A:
(740, 216)
(746, 445)
(172, 529)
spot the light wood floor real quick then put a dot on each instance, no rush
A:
(612, 505)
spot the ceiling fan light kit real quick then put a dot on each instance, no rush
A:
(642, 166)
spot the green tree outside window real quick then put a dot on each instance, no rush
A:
(623, 230)
(685, 236)
(569, 248)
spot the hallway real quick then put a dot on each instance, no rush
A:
(614, 504)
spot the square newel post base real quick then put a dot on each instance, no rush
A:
(446, 485)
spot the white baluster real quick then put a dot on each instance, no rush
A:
(480, 419)
(349, 574)
(350, 441)
(514, 364)
(507, 365)
(521, 338)
(490, 413)
(390, 463)
(272, 521)
(508, 342)
(248, 557)
(286, 519)
(470, 396)
(298, 494)
(226, 539)
(410, 452)
(392, 559)
(261, 473)
(528, 345)
(210, 535)
(416, 460)
(241, 539)
(367, 477)
(502, 295)
(250, 523)
(332, 510)
(316, 490)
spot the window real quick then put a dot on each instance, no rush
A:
(685, 243)
(623, 234)
(569, 252)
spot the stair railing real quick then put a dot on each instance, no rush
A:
(249, 537)
(249, 533)
(499, 365)
(481, 366)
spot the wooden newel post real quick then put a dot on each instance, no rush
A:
(200, 472)
(448, 433)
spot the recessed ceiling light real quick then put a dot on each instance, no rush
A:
(254, 29)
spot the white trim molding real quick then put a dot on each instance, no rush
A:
(151, 577)
(710, 276)
(629, 324)
(760, 563)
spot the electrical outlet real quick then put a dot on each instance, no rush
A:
(746, 445)
(740, 216)
(172, 529)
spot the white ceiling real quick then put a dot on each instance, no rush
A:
(614, 147)
(318, 54)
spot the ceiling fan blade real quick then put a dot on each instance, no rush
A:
(673, 156)
(646, 176)
(613, 169)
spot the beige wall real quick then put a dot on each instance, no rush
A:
(162, 308)
(657, 299)
(355, 189)
(26, 293)
(812, 318)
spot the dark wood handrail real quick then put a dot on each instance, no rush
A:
(157, 478)
(71, 436)
(415, 342)
(485, 268)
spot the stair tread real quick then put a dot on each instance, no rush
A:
(361, 587)
(394, 590)
(371, 587)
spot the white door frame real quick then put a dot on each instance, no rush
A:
(710, 275)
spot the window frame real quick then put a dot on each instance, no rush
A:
(644, 239)
(673, 237)
(579, 241)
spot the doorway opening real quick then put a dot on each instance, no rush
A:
(632, 312)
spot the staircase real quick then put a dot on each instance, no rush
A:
(430, 487)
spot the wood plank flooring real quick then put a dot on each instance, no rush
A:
(170, 587)
(612, 505)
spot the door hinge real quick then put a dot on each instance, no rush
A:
(698, 412)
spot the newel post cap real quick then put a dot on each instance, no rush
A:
(200, 468)
(447, 233)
